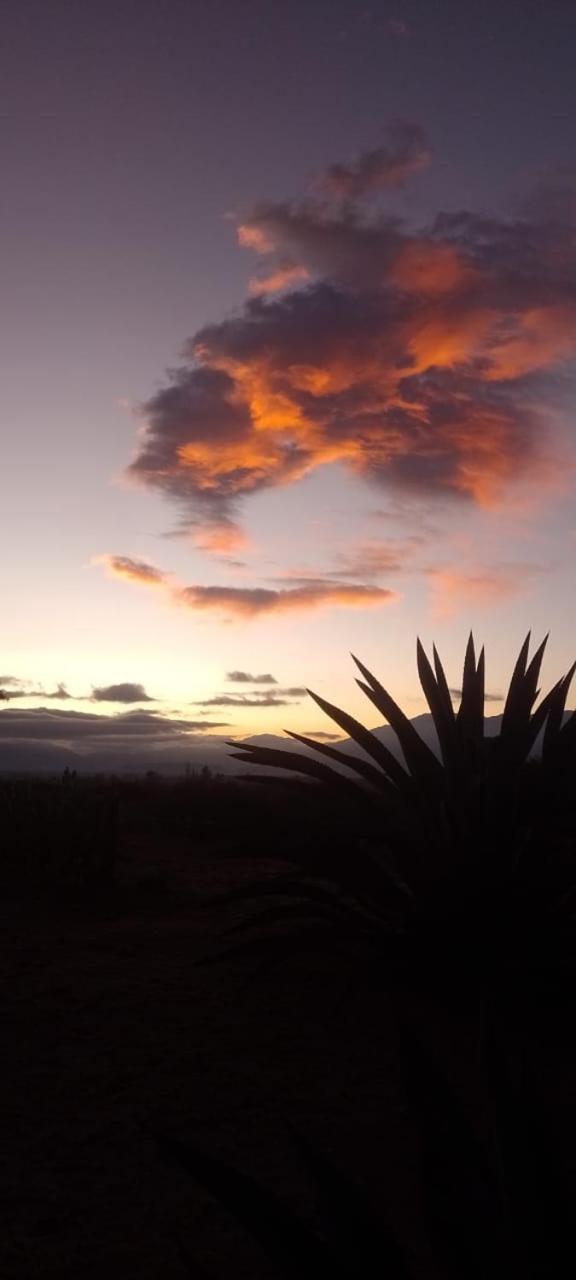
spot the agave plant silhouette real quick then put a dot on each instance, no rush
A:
(464, 885)
(451, 826)
(450, 882)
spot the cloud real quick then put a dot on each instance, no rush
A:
(126, 692)
(245, 700)
(373, 558)
(384, 168)
(398, 27)
(59, 694)
(283, 277)
(244, 677)
(488, 697)
(453, 589)
(250, 602)
(324, 737)
(80, 726)
(553, 198)
(425, 360)
(219, 536)
(276, 698)
(133, 570)
(237, 602)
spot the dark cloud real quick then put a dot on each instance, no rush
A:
(488, 697)
(45, 738)
(425, 361)
(126, 692)
(19, 689)
(398, 27)
(80, 726)
(276, 698)
(244, 677)
(384, 168)
(553, 198)
(322, 736)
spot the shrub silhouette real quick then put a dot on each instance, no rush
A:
(455, 892)
(454, 830)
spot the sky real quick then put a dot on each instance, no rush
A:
(288, 359)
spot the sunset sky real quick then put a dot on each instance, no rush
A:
(288, 359)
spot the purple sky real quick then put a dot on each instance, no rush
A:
(382, 446)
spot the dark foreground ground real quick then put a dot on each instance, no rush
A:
(111, 1030)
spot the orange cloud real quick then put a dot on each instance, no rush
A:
(236, 602)
(250, 602)
(282, 278)
(220, 538)
(133, 570)
(453, 589)
(423, 360)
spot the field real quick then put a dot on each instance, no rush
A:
(114, 1033)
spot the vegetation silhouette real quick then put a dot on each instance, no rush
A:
(456, 895)
(441, 883)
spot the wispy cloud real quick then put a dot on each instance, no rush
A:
(244, 700)
(245, 677)
(384, 168)
(454, 589)
(277, 697)
(251, 602)
(132, 569)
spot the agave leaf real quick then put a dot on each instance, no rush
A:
(279, 759)
(421, 761)
(469, 672)
(269, 948)
(439, 701)
(364, 873)
(567, 739)
(514, 715)
(289, 911)
(349, 1219)
(471, 710)
(533, 669)
(442, 682)
(348, 901)
(365, 739)
(277, 886)
(520, 727)
(362, 767)
(286, 1239)
(557, 697)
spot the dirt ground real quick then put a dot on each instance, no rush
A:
(111, 1030)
